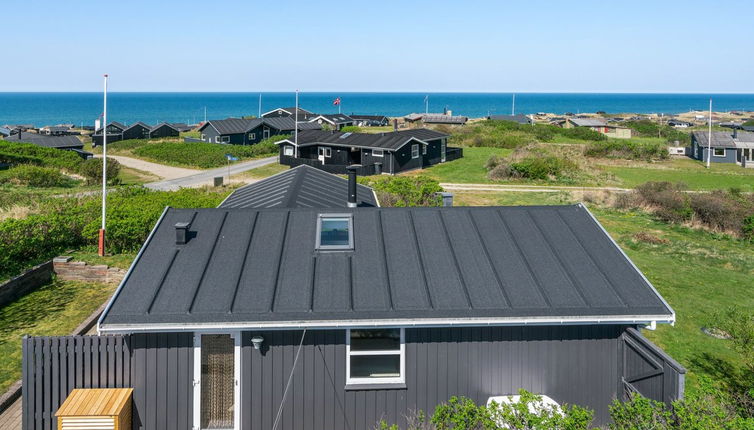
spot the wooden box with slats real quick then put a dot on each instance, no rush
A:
(96, 409)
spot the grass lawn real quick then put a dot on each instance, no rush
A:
(55, 309)
(262, 172)
(90, 256)
(130, 176)
(691, 172)
(469, 169)
(698, 273)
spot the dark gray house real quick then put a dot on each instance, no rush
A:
(727, 147)
(241, 131)
(68, 142)
(163, 130)
(520, 118)
(392, 152)
(299, 187)
(337, 318)
(370, 120)
(114, 132)
(335, 121)
(303, 114)
(137, 130)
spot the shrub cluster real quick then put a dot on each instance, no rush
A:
(73, 222)
(627, 149)
(726, 211)
(536, 167)
(27, 153)
(35, 176)
(508, 134)
(405, 191)
(204, 155)
(91, 169)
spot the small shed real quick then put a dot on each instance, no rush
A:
(100, 408)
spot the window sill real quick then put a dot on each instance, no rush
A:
(367, 387)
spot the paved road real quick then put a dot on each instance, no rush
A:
(160, 170)
(206, 177)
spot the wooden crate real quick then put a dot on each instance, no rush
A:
(96, 408)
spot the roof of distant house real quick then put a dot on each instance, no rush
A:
(163, 124)
(4, 131)
(444, 119)
(369, 117)
(58, 142)
(256, 268)
(391, 141)
(56, 128)
(138, 124)
(287, 123)
(241, 125)
(291, 111)
(332, 118)
(180, 126)
(301, 187)
(724, 139)
(589, 122)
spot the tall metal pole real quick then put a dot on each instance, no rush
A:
(260, 106)
(295, 126)
(205, 113)
(709, 135)
(101, 244)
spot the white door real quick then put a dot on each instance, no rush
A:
(321, 155)
(217, 374)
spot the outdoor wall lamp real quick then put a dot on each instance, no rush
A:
(257, 341)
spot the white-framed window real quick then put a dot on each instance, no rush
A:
(217, 139)
(204, 136)
(424, 149)
(225, 139)
(415, 150)
(718, 152)
(324, 151)
(375, 356)
(378, 153)
(288, 150)
(252, 136)
(334, 232)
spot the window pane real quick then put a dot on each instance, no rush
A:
(375, 366)
(376, 340)
(334, 232)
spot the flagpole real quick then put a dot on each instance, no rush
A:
(260, 106)
(295, 127)
(101, 245)
(709, 135)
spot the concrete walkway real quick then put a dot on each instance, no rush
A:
(161, 170)
(205, 177)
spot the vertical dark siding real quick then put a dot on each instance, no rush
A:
(576, 365)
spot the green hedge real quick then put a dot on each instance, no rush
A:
(204, 155)
(73, 222)
(628, 149)
(35, 176)
(28, 153)
(508, 134)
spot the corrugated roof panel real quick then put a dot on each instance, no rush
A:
(371, 287)
(332, 283)
(294, 289)
(407, 283)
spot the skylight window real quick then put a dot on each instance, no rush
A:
(335, 232)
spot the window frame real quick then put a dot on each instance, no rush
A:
(414, 150)
(714, 152)
(324, 151)
(378, 153)
(400, 380)
(288, 148)
(217, 139)
(224, 139)
(252, 136)
(324, 216)
(424, 149)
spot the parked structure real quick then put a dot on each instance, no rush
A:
(300, 187)
(520, 118)
(375, 153)
(599, 125)
(240, 131)
(727, 147)
(370, 120)
(361, 309)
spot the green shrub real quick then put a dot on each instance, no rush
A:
(748, 227)
(91, 169)
(35, 176)
(668, 200)
(405, 190)
(351, 129)
(204, 155)
(627, 149)
(648, 128)
(28, 153)
(582, 133)
(536, 167)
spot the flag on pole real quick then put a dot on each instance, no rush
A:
(336, 102)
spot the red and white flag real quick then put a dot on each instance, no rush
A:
(336, 102)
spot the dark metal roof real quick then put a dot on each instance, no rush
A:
(139, 124)
(301, 187)
(181, 127)
(162, 124)
(232, 125)
(409, 266)
(390, 141)
(369, 117)
(444, 119)
(287, 123)
(58, 142)
(333, 118)
(724, 139)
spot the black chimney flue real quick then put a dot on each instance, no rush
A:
(352, 185)
(181, 233)
(395, 124)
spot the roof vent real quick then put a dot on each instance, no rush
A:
(181, 233)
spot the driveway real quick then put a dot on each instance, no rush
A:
(161, 170)
(206, 177)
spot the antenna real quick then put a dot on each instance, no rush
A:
(295, 126)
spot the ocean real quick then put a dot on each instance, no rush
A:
(83, 108)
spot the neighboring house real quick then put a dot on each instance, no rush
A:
(162, 130)
(4, 132)
(57, 130)
(114, 132)
(598, 124)
(303, 114)
(520, 118)
(23, 127)
(730, 124)
(336, 121)
(241, 131)
(370, 120)
(300, 187)
(339, 318)
(68, 142)
(727, 147)
(677, 123)
(137, 130)
(436, 118)
(749, 128)
(181, 127)
(375, 153)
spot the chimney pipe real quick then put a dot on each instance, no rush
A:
(352, 185)
(447, 198)
(735, 133)
(395, 124)
(181, 233)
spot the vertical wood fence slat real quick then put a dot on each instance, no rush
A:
(53, 366)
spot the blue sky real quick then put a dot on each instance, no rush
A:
(486, 46)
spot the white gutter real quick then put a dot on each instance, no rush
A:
(128, 273)
(396, 322)
(662, 299)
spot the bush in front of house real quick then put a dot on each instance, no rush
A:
(402, 191)
(36, 177)
(28, 153)
(628, 150)
(91, 169)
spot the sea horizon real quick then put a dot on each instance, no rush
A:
(83, 107)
